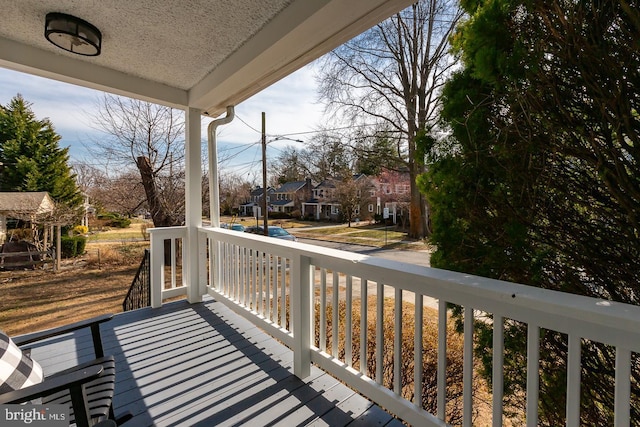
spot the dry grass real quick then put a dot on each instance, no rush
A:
(39, 299)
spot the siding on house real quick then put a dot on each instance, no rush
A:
(22, 205)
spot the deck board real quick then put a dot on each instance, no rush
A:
(203, 365)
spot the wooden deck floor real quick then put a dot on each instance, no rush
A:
(202, 365)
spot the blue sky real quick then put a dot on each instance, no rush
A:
(290, 106)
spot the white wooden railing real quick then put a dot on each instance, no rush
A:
(167, 281)
(287, 288)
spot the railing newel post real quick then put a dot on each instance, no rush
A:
(157, 269)
(300, 306)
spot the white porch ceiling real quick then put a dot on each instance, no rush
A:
(203, 54)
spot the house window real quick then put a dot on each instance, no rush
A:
(402, 188)
(370, 207)
(356, 211)
(334, 209)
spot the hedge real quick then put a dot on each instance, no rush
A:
(71, 247)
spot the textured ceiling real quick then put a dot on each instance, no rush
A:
(198, 53)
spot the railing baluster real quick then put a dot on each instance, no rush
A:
(379, 331)
(212, 265)
(348, 355)
(573, 381)
(242, 269)
(442, 359)
(623, 388)
(397, 341)
(183, 274)
(533, 377)
(283, 294)
(173, 264)
(323, 309)
(335, 294)
(467, 375)
(260, 287)
(498, 369)
(267, 291)
(417, 350)
(247, 280)
(364, 325)
(274, 301)
(224, 262)
(236, 271)
(254, 280)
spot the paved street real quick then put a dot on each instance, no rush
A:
(411, 257)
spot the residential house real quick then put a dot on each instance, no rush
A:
(393, 194)
(289, 197)
(253, 206)
(24, 206)
(326, 203)
(203, 360)
(323, 204)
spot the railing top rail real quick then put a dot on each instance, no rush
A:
(177, 231)
(598, 319)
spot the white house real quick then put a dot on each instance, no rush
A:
(25, 206)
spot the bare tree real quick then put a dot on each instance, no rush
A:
(122, 193)
(233, 191)
(350, 193)
(150, 136)
(391, 76)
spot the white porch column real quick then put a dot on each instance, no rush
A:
(193, 204)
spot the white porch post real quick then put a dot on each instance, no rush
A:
(193, 205)
(301, 315)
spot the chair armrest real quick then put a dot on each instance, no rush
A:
(93, 323)
(96, 362)
(52, 385)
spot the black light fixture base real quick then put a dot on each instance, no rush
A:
(72, 34)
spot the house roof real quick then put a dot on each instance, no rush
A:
(259, 191)
(203, 54)
(290, 187)
(25, 202)
(327, 183)
(282, 203)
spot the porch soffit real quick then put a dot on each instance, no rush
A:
(203, 54)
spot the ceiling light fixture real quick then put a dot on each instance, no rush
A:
(72, 34)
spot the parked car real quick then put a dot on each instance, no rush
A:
(234, 227)
(274, 231)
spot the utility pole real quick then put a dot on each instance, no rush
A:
(264, 175)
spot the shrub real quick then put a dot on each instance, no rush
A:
(81, 243)
(68, 247)
(80, 229)
(71, 247)
(116, 220)
(279, 215)
(119, 222)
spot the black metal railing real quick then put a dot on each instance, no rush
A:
(139, 294)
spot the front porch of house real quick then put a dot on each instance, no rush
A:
(289, 290)
(201, 364)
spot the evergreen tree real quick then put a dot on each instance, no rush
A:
(31, 157)
(539, 181)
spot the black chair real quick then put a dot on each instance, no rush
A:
(87, 389)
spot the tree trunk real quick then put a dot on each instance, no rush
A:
(158, 214)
